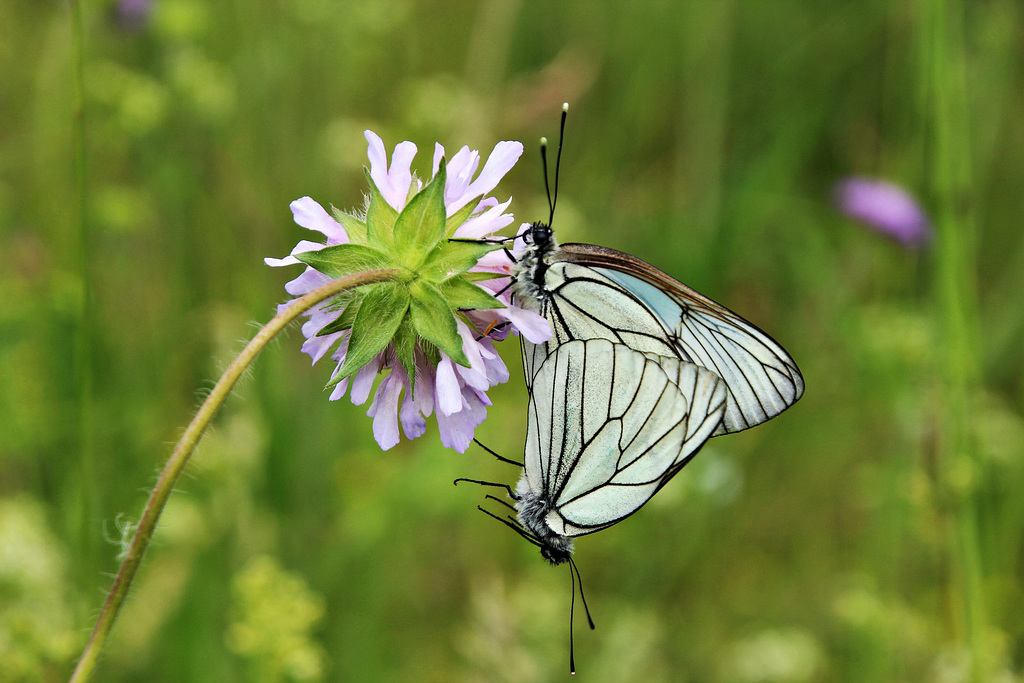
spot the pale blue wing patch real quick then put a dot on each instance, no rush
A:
(761, 377)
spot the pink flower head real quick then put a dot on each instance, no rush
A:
(455, 392)
(886, 208)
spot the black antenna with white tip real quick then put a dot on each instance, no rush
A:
(552, 200)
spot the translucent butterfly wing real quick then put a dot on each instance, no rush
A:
(608, 426)
(582, 303)
(595, 292)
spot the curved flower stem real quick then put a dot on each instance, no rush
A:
(183, 450)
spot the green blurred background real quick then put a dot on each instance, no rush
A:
(871, 533)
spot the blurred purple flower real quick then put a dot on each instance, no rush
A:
(458, 393)
(886, 208)
(133, 15)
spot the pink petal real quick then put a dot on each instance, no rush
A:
(414, 424)
(302, 247)
(497, 373)
(501, 160)
(460, 171)
(362, 381)
(312, 216)
(496, 261)
(339, 390)
(319, 317)
(534, 327)
(475, 375)
(378, 157)
(394, 183)
(483, 224)
(519, 245)
(424, 390)
(384, 411)
(457, 429)
(306, 282)
(438, 155)
(447, 389)
(316, 346)
(400, 175)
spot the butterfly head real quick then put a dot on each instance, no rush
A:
(540, 235)
(556, 555)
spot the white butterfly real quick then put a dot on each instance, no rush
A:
(608, 427)
(639, 372)
(591, 292)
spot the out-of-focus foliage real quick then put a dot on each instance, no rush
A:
(274, 614)
(871, 533)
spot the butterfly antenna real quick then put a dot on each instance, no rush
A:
(574, 578)
(558, 158)
(572, 610)
(553, 200)
(579, 577)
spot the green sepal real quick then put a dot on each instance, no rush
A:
(430, 352)
(421, 224)
(450, 259)
(345, 319)
(378, 318)
(355, 227)
(380, 216)
(461, 293)
(405, 349)
(460, 216)
(340, 260)
(432, 318)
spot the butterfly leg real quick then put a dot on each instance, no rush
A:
(499, 457)
(508, 488)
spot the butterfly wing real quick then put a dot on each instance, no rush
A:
(582, 303)
(598, 292)
(608, 426)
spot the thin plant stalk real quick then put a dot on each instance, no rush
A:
(84, 490)
(956, 299)
(183, 451)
